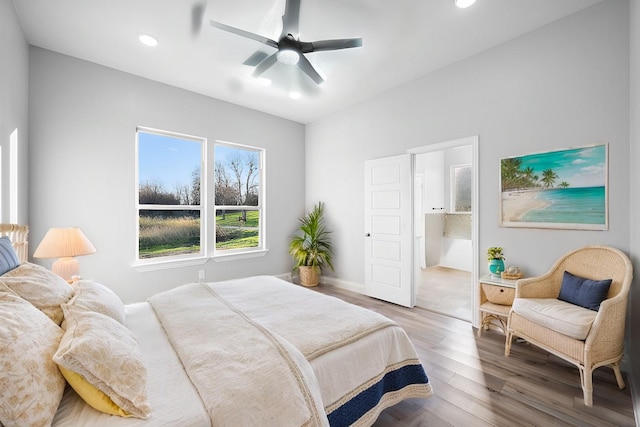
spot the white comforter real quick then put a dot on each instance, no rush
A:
(261, 351)
(245, 374)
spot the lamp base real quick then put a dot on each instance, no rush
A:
(66, 267)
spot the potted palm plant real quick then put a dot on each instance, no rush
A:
(312, 249)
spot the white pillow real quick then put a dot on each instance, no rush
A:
(92, 296)
(42, 288)
(31, 386)
(108, 356)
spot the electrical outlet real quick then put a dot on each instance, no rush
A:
(202, 274)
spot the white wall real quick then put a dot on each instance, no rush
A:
(431, 165)
(634, 306)
(14, 96)
(83, 119)
(564, 85)
(456, 253)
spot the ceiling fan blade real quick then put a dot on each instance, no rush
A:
(308, 69)
(256, 58)
(330, 45)
(244, 33)
(291, 18)
(197, 17)
(265, 65)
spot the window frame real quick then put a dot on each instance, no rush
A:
(14, 174)
(207, 208)
(200, 208)
(228, 254)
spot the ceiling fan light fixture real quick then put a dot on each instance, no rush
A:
(289, 49)
(464, 3)
(288, 56)
(147, 40)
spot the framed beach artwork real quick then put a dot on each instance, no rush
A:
(564, 189)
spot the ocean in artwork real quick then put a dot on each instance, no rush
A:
(581, 205)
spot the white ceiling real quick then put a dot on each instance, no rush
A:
(402, 40)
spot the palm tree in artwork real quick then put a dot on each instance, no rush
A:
(509, 171)
(563, 184)
(548, 178)
(529, 176)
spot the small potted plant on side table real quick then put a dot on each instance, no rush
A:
(496, 260)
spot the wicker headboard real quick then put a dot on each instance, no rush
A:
(18, 235)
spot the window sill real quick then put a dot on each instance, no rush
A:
(164, 264)
(154, 265)
(239, 255)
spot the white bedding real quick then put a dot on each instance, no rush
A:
(358, 374)
(174, 400)
(246, 374)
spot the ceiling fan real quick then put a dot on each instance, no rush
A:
(290, 49)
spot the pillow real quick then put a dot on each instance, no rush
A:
(94, 397)
(42, 288)
(92, 296)
(583, 292)
(8, 256)
(31, 386)
(106, 354)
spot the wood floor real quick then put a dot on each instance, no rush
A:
(476, 385)
(446, 291)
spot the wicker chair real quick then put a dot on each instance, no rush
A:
(605, 340)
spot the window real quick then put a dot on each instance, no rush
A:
(237, 176)
(169, 181)
(461, 188)
(13, 178)
(175, 221)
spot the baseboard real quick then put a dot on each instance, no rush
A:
(285, 276)
(344, 284)
(333, 281)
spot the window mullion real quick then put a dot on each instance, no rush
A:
(210, 210)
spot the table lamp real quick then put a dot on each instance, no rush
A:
(64, 244)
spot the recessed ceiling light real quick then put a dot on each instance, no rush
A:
(263, 81)
(148, 40)
(464, 3)
(295, 95)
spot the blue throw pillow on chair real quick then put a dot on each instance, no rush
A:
(8, 257)
(584, 292)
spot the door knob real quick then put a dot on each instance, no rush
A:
(367, 235)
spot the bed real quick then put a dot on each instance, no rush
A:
(243, 352)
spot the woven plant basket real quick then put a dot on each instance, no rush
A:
(309, 276)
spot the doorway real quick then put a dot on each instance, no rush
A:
(445, 189)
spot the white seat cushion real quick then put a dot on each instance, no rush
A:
(563, 317)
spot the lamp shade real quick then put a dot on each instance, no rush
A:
(64, 242)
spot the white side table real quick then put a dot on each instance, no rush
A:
(496, 298)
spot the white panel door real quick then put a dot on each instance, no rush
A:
(388, 230)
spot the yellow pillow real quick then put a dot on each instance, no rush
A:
(94, 397)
